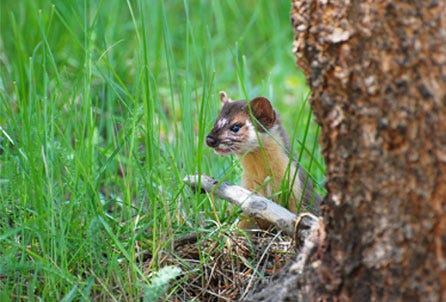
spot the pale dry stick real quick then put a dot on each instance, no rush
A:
(251, 204)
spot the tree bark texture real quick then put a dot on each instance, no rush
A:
(377, 70)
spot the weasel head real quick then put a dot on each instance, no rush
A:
(235, 130)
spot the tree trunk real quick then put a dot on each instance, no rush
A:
(378, 74)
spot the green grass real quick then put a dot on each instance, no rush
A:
(104, 107)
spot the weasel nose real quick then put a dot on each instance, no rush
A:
(211, 141)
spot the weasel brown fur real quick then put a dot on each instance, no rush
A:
(253, 132)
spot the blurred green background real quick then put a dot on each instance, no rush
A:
(104, 107)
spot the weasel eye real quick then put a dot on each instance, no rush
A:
(235, 128)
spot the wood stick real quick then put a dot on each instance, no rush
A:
(252, 204)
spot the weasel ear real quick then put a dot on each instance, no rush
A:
(224, 98)
(263, 111)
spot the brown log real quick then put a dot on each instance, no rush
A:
(377, 70)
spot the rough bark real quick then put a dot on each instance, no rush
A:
(377, 70)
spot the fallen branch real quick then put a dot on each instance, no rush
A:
(255, 205)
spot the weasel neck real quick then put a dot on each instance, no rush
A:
(268, 160)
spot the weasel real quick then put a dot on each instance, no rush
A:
(253, 132)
